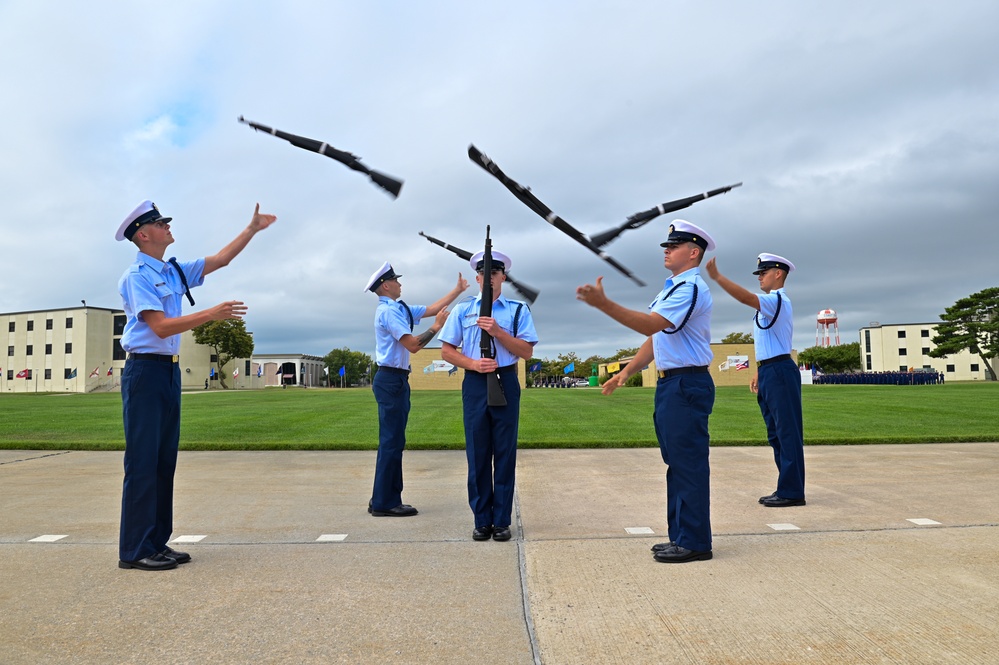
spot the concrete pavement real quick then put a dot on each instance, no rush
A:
(895, 559)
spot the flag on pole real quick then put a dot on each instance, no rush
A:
(342, 372)
(454, 368)
(260, 371)
(96, 372)
(23, 374)
(110, 370)
(742, 365)
(571, 367)
(72, 374)
(536, 367)
(235, 373)
(326, 371)
(211, 373)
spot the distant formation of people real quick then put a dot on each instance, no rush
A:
(880, 378)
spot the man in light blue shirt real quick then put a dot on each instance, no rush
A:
(778, 382)
(152, 291)
(395, 322)
(490, 431)
(679, 329)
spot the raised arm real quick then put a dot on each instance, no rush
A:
(646, 323)
(448, 298)
(258, 222)
(739, 293)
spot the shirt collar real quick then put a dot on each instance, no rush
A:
(155, 264)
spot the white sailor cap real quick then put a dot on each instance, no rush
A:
(683, 231)
(767, 261)
(144, 213)
(380, 276)
(500, 261)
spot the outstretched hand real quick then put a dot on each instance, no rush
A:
(230, 309)
(592, 294)
(259, 222)
(712, 269)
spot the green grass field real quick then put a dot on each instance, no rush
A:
(578, 418)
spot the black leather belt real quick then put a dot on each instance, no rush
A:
(154, 356)
(783, 356)
(392, 370)
(666, 373)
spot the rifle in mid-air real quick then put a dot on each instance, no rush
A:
(388, 183)
(529, 294)
(644, 217)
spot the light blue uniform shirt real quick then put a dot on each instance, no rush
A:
(151, 284)
(462, 331)
(391, 323)
(691, 346)
(776, 340)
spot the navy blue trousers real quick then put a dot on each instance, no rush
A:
(392, 394)
(683, 404)
(150, 398)
(491, 448)
(779, 398)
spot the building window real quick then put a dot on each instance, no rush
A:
(924, 333)
(31, 326)
(974, 367)
(10, 327)
(29, 350)
(10, 375)
(901, 334)
(69, 347)
(10, 351)
(48, 324)
(119, 324)
(868, 363)
(48, 349)
(48, 375)
(950, 368)
(926, 350)
(902, 352)
(117, 353)
(867, 341)
(213, 359)
(67, 373)
(69, 321)
(903, 368)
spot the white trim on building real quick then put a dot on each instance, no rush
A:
(894, 347)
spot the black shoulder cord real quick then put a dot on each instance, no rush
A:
(693, 301)
(409, 313)
(772, 321)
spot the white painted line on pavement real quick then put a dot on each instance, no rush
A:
(331, 538)
(46, 539)
(639, 530)
(922, 521)
(188, 539)
(784, 527)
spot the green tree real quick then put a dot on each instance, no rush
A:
(355, 366)
(737, 338)
(971, 323)
(228, 338)
(841, 358)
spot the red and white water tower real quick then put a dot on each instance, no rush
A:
(826, 323)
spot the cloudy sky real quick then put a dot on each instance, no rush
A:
(866, 136)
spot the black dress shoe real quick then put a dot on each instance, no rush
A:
(154, 562)
(662, 546)
(768, 496)
(676, 554)
(179, 557)
(369, 506)
(482, 533)
(402, 510)
(777, 502)
(502, 533)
